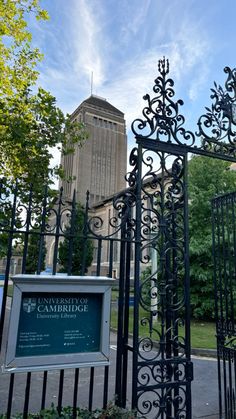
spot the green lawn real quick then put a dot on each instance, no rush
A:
(202, 333)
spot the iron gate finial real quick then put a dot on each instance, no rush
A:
(162, 122)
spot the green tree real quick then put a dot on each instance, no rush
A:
(36, 250)
(76, 249)
(208, 178)
(30, 123)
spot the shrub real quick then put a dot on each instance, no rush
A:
(111, 412)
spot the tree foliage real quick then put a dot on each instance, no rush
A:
(208, 178)
(30, 122)
(76, 249)
(36, 251)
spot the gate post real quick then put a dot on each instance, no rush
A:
(138, 184)
(162, 367)
(224, 258)
(126, 201)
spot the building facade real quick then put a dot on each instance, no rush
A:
(99, 166)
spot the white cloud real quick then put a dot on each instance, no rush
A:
(134, 18)
(70, 59)
(198, 82)
(88, 46)
(88, 41)
(137, 76)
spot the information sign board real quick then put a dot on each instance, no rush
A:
(58, 322)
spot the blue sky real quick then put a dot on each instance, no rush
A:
(120, 41)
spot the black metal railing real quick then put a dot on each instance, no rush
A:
(50, 218)
(224, 253)
(145, 227)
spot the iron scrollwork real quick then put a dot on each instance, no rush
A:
(163, 300)
(162, 345)
(163, 402)
(217, 127)
(223, 217)
(216, 133)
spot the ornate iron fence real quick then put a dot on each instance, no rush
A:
(49, 218)
(163, 388)
(146, 226)
(224, 251)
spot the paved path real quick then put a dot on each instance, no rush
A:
(204, 387)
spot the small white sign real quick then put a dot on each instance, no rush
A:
(58, 322)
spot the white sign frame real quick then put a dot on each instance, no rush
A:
(58, 284)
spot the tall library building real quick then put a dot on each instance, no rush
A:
(98, 166)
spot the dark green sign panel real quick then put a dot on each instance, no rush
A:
(59, 323)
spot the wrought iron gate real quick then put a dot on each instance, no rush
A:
(144, 238)
(163, 371)
(224, 247)
(29, 217)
